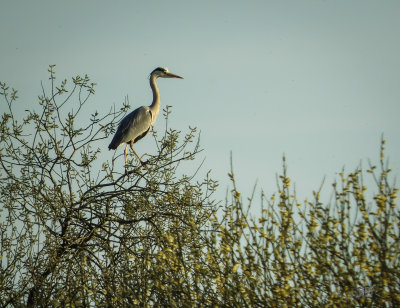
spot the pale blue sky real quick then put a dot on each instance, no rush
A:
(316, 80)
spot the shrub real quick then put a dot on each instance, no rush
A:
(77, 232)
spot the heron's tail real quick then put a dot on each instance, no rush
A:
(116, 140)
(114, 144)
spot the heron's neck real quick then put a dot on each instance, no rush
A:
(155, 105)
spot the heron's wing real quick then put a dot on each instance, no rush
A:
(135, 124)
(133, 127)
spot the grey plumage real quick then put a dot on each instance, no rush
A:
(134, 127)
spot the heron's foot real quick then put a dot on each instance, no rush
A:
(144, 163)
(148, 161)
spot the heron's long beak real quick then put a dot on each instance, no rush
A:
(173, 75)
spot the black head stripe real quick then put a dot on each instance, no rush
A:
(159, 69)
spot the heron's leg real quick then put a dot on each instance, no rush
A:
(131, 144)
(125, 154)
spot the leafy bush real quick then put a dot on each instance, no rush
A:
(77, 232)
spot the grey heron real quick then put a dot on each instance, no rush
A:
(137, 124)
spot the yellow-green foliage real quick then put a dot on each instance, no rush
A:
(75, 232)
(341, 253)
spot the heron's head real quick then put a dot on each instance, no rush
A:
(163, 72)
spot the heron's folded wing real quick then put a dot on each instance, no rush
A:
(135, 124)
